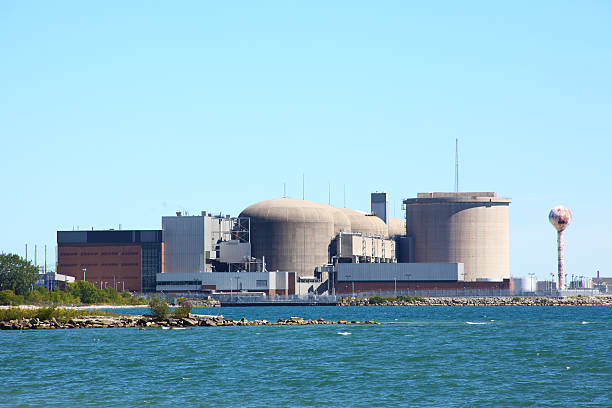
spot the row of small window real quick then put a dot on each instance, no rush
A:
(175, 283)
(96, 254)
(65, 265)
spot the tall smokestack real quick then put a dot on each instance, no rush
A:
(560, 217)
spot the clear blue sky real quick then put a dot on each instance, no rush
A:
(121, 112)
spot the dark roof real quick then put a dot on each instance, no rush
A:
(109, 236)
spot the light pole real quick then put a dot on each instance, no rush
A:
(395, 286)
(84, 271)
(408, 275)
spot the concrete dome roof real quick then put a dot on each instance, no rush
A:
(296, 210)
(397, 226)
(365, 224)
(289, 210)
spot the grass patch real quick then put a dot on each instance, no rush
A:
(377, 300)
(180, 312)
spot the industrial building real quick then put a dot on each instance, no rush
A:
(471, 228)
(287, 246)
(299, 235)
(123, 259)
(53, 280)
(205, 243)
(266, 283)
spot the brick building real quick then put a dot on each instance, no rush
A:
(123, 259)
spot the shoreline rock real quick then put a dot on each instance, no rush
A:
(480, 301)
(142, 321)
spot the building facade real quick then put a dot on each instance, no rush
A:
(268, 283)
(468, 227)
(122, 259)
(205, 243)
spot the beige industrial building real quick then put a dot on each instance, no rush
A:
(299, 235)
(471, 228)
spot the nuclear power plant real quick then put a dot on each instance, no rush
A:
(288, 246)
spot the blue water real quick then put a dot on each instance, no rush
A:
(421, 356)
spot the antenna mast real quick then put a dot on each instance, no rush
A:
(456, 165)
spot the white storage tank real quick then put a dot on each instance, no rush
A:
(523, 285)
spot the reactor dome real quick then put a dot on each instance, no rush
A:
(560, 217)
(295, 235)
(365, 223)
(397, 227)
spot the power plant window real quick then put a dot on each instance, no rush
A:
(261, 283)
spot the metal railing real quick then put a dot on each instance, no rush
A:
(280, 299)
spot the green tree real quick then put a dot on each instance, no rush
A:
(7, 297)
(17, 274)
(159, 307)
(62, 297)
(85, 291)
(111, 296)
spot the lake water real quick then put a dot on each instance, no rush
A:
(420, 356)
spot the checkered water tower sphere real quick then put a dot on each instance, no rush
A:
(560, 217)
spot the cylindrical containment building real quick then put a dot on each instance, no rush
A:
(472, 228)
(295, 235)
(292, 235)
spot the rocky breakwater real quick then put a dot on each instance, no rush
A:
(480, 301)
(150, 322)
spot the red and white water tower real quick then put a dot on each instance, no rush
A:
(560, 217)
